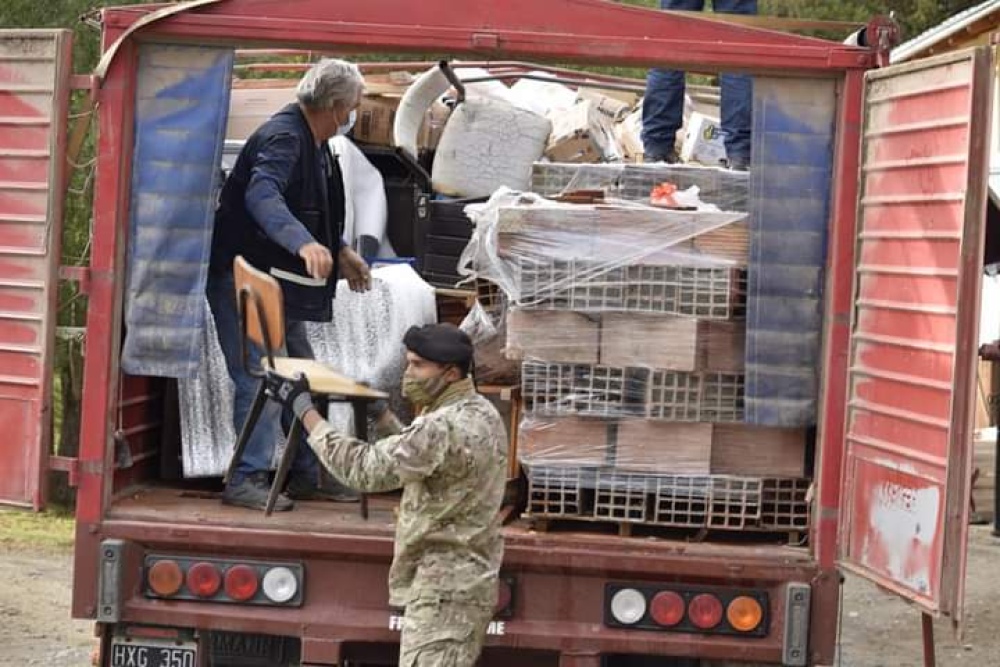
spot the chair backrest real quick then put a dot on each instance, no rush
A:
(260, 295)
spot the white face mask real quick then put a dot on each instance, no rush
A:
(347, 127)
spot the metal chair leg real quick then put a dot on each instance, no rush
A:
(291, 444)
(251, 421)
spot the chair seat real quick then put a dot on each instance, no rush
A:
(323, 379)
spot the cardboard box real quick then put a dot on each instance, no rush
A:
(656, 341)
(627, 98)
(663, 447)
(376, 116)
(250, 107)
(742, 449)
(671, 342)
(703, 143)
(564, 440)
(610, 108)
(629, 135)
(581, 134)
(722, 346)
(552, 335)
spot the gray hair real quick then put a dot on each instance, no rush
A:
(330, 81)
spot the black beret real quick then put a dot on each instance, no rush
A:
(441, 343)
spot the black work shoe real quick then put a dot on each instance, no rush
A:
(301, 487)
(670, 157)
(251, 492)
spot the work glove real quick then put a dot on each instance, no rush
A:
(292, 393)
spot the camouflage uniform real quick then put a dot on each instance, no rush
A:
(451, 463)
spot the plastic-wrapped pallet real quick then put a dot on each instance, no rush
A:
(631, 334)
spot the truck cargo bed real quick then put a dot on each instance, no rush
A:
(174, 506)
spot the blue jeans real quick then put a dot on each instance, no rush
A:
(663, 107)
(257, 456)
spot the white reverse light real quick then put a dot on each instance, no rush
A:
(280, 584)
(628, 606)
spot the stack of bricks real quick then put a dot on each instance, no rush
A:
(632, 375)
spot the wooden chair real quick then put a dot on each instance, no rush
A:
(262, 321)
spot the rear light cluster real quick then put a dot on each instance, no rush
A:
(182, 578)
(687, 609)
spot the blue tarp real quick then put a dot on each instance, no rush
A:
(181, 111)
(790, 188)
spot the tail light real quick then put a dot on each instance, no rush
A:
(667, 608)
(705, 611)
(280, 585)
(204, 579)
(243, 582)
(628, 606)
(744, 613)
(165, 578)
(682, 608)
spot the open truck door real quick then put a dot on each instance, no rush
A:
(35, 71)
(914, 336)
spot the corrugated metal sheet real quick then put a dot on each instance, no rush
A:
(789, 204)
(914, 334)
(181, 108)
(34, 71)
(941, 32)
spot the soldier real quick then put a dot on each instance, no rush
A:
(451, 464)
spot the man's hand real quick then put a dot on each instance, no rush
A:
(293, 393)
(319, 261)
(355, 270)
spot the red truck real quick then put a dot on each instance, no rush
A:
(903, 192)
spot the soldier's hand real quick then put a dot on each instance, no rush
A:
(319, 261)
(293, 393)
(355, 270)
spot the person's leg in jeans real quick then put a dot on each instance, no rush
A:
(737, 98)
(663, 106)
(306, 480)
(249, 482)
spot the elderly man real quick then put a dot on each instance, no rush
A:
(282, 208)
(451, 464)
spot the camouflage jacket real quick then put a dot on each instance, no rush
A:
(451, 463)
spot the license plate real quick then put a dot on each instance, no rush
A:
(153, 653)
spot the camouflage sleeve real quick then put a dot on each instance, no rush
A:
(385, 465)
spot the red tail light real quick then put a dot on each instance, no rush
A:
(241, 582)
(667, 608)
(705, 611)
(204, 580)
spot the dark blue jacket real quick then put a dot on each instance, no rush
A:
(283, 192)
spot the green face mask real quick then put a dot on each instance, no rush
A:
(423, 392)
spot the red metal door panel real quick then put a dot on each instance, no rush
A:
(34, 97)
(921, 218)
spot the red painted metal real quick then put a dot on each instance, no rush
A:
(564, 30)
(912, 360)
(34, 97)
(840, 272)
